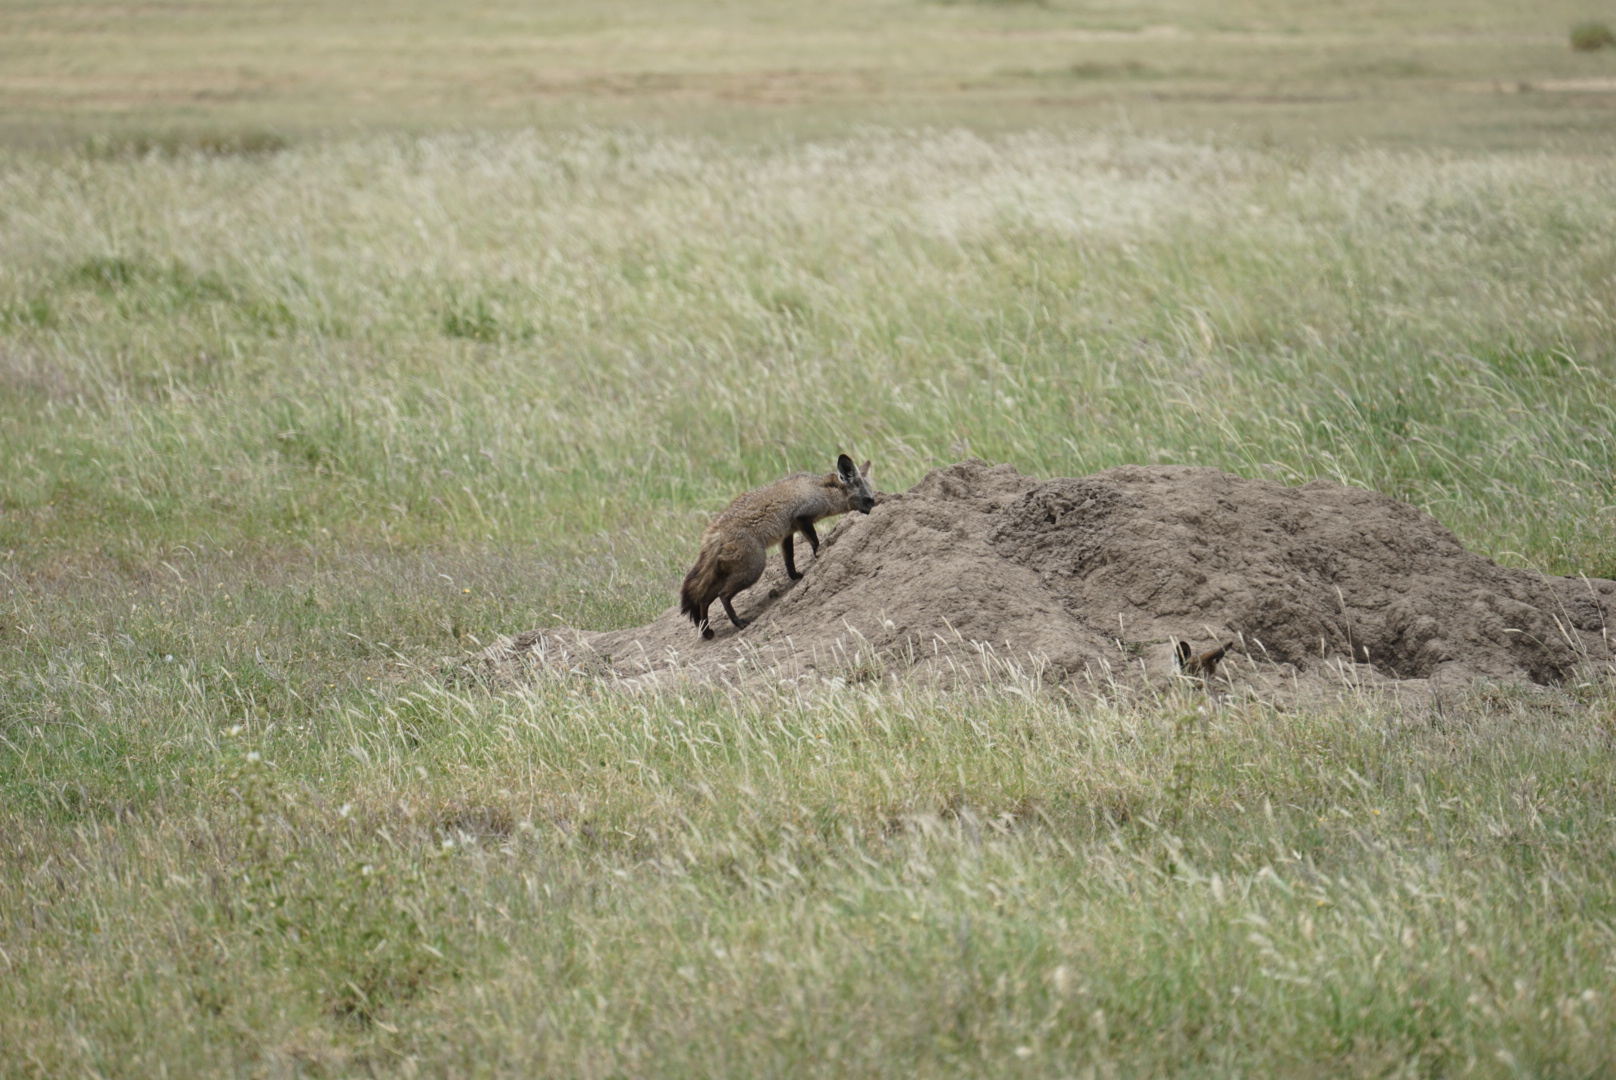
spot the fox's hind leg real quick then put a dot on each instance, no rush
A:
(742, 575)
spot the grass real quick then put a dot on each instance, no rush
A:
(577, 881)
(288, 418)
(237, 73)
(523, 339)
(1591, 36)
(283, 430)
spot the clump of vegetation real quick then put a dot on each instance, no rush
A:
(1099, 69)
(213, 144)
(1591, 36)
(483, 318)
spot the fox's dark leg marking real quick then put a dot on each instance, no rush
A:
(806, 525)
(706, 627)
(740, 623)
(791, 561)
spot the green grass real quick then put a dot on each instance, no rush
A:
(1591, 36)
(521, 339)
(291, 413)
(283, 431)
(578, 881)
(237, 76)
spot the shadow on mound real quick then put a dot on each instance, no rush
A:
(1094, 581)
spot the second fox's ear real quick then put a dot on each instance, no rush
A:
(1183, 653)
(844, 468)
(864, 470)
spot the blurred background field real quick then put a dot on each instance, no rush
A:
(1477, 73)
(335, 341)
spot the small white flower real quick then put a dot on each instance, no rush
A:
(253, 755)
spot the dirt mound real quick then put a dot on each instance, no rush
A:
(1095, 580)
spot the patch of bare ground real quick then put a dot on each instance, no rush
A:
(1092, 582)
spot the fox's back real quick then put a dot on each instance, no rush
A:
(767, 513)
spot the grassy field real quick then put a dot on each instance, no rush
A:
(1454, 72)
(329, 351)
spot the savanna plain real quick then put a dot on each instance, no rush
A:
(332, 347)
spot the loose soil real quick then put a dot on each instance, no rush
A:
(981, 572)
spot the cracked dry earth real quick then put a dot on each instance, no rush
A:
(979, 571)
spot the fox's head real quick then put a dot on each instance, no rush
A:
(856, 482)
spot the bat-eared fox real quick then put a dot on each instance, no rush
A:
(1200, 665)
(733, 547)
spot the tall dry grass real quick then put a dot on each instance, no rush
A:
(279, 431)
(496, 337)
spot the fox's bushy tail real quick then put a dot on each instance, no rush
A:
(701, 584)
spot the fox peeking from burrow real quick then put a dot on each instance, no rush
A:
(1200, 666)
(734, 547)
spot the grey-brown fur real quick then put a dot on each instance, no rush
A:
(1200, 665)
(734, 547)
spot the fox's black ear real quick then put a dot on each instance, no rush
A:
(1183, 653)
(845, 468)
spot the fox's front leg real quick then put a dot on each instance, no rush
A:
(806, 527)
(791, 560)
